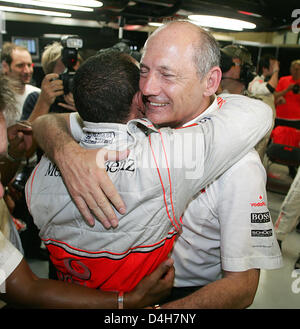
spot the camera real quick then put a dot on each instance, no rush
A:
(69, 55)
(296, 88)
(247, 74)
(22, 177)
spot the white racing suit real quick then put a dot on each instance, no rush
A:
(289, 210)
(163, 171)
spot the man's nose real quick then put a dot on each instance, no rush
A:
(150, 85)
(28, 69)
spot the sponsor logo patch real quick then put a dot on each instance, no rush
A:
(262, 233)
(260, 217)
(99, 137)
(261, 203)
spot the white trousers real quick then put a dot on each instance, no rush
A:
(289, 211)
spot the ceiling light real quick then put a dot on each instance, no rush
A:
(85, 3)
(248, 13)
(49, 5)
(221, 22)
(34, 11)
(156, 24)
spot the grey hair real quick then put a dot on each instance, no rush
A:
(207, 50)
(207, 53)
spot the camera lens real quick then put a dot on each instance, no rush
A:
(296, 89)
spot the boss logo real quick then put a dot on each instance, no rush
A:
(260, 217)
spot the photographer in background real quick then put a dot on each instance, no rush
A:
(237, 73)
(287, 98)
(17, 65)
(59, 62)
(265, 83)
(237, 69)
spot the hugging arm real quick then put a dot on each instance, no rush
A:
(24, 288)
(89, 184)
(86, 179)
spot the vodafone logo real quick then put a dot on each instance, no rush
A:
(261, 203)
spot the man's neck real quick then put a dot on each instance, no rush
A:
(233, 86)
(21, 91)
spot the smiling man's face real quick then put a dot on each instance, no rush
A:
(172, 89)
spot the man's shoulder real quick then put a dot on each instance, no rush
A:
(31, 88)
(240, 101)
(249, 165)
(286, 78)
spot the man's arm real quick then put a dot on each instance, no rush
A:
(94, 188)
(25, 289)
(90, 186)
(235, 290)
(20, 139)
(282, 93)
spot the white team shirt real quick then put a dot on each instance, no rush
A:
(227, 227)
(199, 251)
(258, 86)
(20, 99)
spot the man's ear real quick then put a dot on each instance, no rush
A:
(213, 79)
(5, 67)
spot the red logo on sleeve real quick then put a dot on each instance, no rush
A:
(261, 203)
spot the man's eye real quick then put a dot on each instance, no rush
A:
(167, 75)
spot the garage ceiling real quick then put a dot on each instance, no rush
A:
(268, 15)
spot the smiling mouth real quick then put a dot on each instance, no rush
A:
(158, 104)
(152, 104)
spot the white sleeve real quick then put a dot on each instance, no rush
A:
(10, 257)
(258, 87)
(76, 125)
(247, 233)
(203, 152)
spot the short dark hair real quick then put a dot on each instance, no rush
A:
(104, 86)
(264, 62)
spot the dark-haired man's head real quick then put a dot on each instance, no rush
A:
(104, 87)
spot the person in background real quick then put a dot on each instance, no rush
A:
(236, 64)
(287, 98)
(263, 86)
(238, 72)
(39, 103)
(289, 213)
(36, 104)
(17, 64)
(266, 81)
